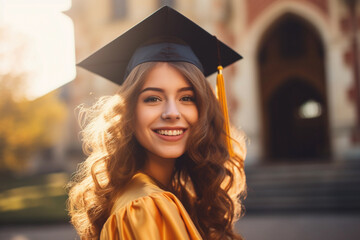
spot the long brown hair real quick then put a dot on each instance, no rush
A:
(207, 180)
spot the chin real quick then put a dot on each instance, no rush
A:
(170, 156)
(170, 153)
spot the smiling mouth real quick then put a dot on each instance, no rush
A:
(169, 132)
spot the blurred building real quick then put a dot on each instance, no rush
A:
(294, 94)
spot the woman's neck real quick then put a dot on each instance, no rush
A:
(159, 168)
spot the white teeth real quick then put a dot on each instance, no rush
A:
(170, 132)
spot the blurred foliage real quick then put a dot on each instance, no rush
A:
(26, 127)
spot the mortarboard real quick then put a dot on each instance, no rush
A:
(188, 43)
(111, 61)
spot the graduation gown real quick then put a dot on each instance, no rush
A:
(145, 211)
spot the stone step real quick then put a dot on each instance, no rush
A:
(331, 186)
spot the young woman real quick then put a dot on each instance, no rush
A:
(158, 163)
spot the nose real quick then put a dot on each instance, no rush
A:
(171, 111)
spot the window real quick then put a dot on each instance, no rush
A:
(119, 9)
(310, 109)
(170, 3)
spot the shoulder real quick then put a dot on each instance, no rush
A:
(140, 186)
(148, 213)
(142, 194)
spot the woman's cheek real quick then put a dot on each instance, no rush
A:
(192, 115)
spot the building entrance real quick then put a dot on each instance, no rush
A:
(293, 91)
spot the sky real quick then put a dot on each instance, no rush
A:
(49, 37)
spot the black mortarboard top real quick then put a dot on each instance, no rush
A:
(115, 60)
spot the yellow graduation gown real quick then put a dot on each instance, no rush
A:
(145, 211)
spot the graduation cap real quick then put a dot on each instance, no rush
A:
(111, 61)
(145, 43)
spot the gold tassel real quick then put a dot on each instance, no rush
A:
(221, 96)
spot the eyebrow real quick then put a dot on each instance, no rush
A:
(161, 90)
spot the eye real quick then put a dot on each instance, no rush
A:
(152, 99)
(187, 99)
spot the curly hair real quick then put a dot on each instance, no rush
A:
(206, 179)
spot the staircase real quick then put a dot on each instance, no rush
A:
(304, 187)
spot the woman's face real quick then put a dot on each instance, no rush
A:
(165, 112)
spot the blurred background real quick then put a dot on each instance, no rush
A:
(296, 95)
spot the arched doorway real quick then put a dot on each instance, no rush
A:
(293, 91)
